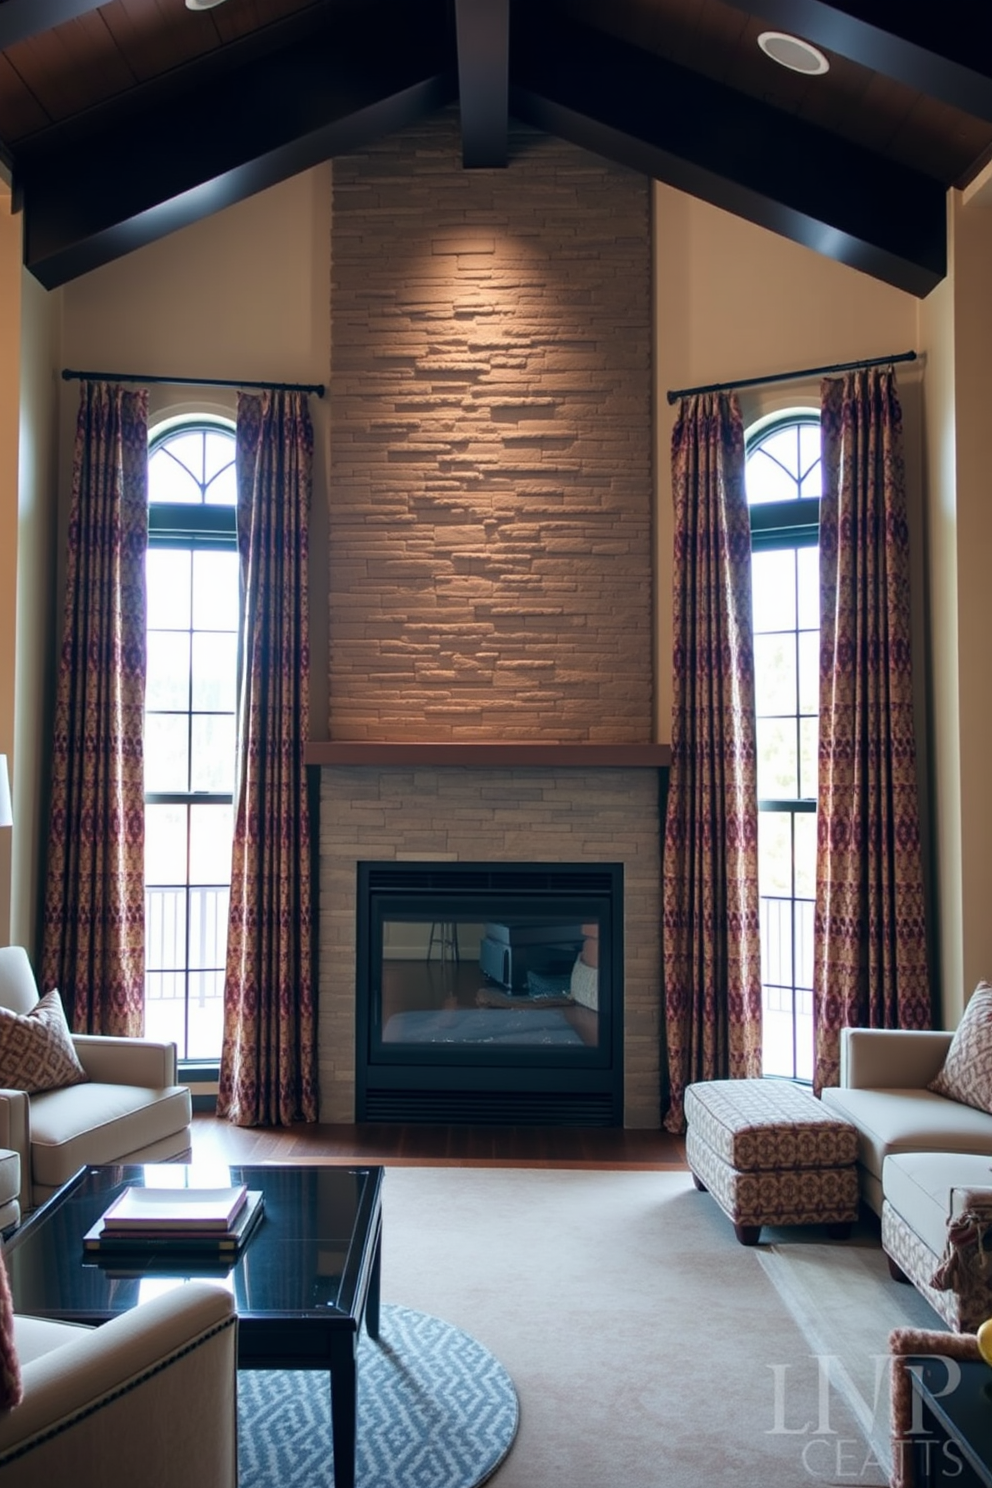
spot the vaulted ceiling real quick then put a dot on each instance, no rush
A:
(122, 121)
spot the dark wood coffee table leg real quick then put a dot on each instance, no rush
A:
(344, 1375)
(372, 1300)
(344, 1415)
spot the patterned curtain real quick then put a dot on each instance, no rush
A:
(712, 960)
(869, 946)
(268, 1071)
(94, 919)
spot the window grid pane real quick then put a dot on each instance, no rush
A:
(784, 464)
(190, 723)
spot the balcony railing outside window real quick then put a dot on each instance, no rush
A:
(185, 939)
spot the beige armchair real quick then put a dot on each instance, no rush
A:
(149, 1398)
(129, 1110)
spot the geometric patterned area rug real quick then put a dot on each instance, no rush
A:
(435, 1410)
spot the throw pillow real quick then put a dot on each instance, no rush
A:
(36, 1049)
(10, 1369)
(967, 1072)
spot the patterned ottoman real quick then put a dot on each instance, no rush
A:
(770, 1153)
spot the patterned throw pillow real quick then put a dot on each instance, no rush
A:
(10, 1369)
(967, 1072)
(36, 1050)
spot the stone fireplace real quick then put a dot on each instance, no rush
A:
(490, 546)
(555, 813)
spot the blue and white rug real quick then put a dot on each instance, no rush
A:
(435, 1410)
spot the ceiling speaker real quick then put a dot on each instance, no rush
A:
(788, 51)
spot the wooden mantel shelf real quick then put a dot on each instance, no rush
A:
(499, 756)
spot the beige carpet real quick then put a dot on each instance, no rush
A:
(648, 1348)
(846, 1304)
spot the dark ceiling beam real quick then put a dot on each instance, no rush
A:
(736, 152)
(155, 162)
(20, 19)
(483, 32)
(944, 51)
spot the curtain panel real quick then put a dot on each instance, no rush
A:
(94, 915)
(268, 1072)
(710, 872)
(870, 946)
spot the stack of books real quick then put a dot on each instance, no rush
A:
(209, 1225)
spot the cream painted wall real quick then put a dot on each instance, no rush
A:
(10, 392)
(243, 294)
(961, 501)
(734, 301)
(37, 609)
(944, 728)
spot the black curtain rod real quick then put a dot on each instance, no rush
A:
(726, 387)
(68, 375)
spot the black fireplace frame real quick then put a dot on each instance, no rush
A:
(459, 1084)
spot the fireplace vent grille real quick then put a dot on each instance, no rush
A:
(491, 1108)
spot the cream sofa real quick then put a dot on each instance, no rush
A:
(884, 1075)
(922, 1159)
(923, 1191)
(149, 1398)
(130, 1109)
(10, 1189)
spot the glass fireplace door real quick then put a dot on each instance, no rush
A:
(485, 976)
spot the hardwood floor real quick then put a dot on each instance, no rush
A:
(412, 1145)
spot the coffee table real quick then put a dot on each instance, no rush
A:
(304, 1282)
(952, 1438)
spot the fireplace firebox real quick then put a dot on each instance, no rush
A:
(490, 993)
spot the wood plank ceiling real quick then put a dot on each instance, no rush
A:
(122, 121)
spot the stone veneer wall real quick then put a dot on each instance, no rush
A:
(491, 486)
(603, 815)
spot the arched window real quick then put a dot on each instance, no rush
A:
(190, 706)
(783, 491)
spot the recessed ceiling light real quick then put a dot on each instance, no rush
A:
(202, 4)
(788, 51)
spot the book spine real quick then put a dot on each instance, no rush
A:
(162, 1248)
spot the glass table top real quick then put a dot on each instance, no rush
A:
(304, 1259)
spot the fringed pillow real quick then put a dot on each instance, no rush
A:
(967, 1072)
(10, 1369)
(965, 1248)
(36, 1048)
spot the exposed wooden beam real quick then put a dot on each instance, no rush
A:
(20, 19)
(740, 154)
(483, 30)
(944, 51)
(163, 158)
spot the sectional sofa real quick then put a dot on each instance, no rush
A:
(925, 1155)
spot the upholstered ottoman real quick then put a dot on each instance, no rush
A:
(770, 1154)
(924, 1193)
